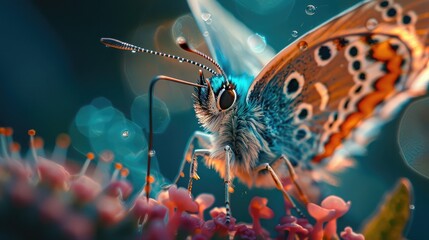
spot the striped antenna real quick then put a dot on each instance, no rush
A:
(181, 41)
(114, 43)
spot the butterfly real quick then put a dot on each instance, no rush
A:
(274, 121)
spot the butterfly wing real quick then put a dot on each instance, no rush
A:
(229, 40)
(352, 72)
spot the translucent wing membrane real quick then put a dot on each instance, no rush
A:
(237, 49)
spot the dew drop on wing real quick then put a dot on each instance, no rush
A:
(310, 9)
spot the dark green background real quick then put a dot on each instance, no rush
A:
(52, 63)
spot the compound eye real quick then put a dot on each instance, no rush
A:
(226, 99)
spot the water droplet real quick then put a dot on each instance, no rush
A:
(303, 45)
(310, 10)
(371, 24)
(180, 60)
(133, 51)
(207, 17)
(152, 153)
(257, 43)
(185, 26)
(294, 33)
(206, 34)
(412, 207)
(125, 133)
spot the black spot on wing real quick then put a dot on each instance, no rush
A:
(325, 53)
(292, 86)
(300, 134)
(353, 51)
(303, 114)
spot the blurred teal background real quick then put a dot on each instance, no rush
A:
(52, 64)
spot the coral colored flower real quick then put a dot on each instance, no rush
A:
(85, 189)
(182, 202)
(182, 199)
(164, 199)
(221, 222)
(341, 207)
(19, 170)
(110, 209)
(242, 232)
(305, 224)
(156, 230)
(258, 209)
(216, 211)
(158, 212)
(348, 234)
(120, 187)
(218, 226)
(204, 201)
(78, 227)
(289, 223)
(321, 215)
(209, 228)
(152, 208)
(22, 194)
(190, 224)
(52, 173)
(52, 209)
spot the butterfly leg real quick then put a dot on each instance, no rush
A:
(193, 168)
(279, 185)
(293, 177)
(199, 138)
(227, 180)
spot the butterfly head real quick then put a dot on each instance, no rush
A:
(215, 102)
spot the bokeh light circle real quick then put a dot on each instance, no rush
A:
(140, 113)
(413, 136)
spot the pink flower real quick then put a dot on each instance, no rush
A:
(156, 230)
(85, 189)
(53, 174)
(110, 209)
(204, 201)
(158, 212)
(182, 202)
(164, 199)
(258, 209)
(22, 194)
(182, 199)
(218, 225)
(321, 215)
(348, 234)
(242, 232)
(120, 187)
(208, 229)
(191, 224)
(305, 224)
(20, 170)
(289, 223)
(52, 209)
(78, 227)
(216, 211)
(341, 208)
(152, 209)
(220, 220)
